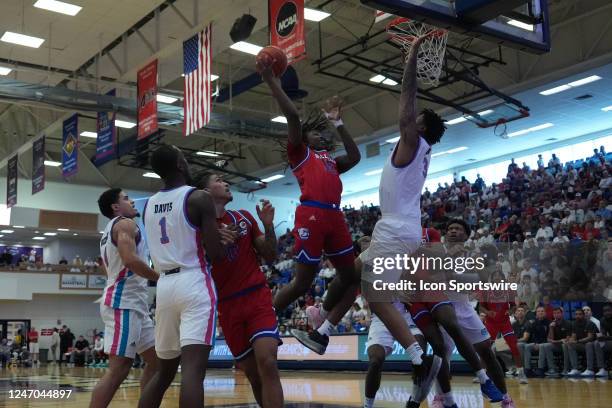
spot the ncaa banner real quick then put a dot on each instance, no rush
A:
(38, 165)
(286, 22)
(107, 134)
(70, 146)
(11, 182)
(147, 100)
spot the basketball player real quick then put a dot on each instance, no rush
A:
(319, 221)
(182, 235)
(398, 232)
(124, 309)
(246, 315)
(468, 318)
(496, 305)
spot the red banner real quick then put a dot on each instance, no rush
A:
(147, 100)
(286, 22)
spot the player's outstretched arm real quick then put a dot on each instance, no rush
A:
(333, 111)
(409, 135)
(266, 244)
(124, 233)
(286, 105)
(201, 212)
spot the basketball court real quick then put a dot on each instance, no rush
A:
(89, 90)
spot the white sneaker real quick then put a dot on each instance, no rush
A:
(522, 377)
(601, 373)
(573, 373)
(588, 373)
(475, 380)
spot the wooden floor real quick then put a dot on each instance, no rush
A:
(228, 388)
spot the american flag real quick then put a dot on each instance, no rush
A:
(196, 67)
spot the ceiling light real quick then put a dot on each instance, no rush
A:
(89, 134)
(50, 234)
(150, 175)
(124, 124)
(18, 226)
(389, 81)
(607, 108)
(485, 112)
(75, 234)
(531, 129)
(7, 231)
(393, 139)
(63, 229)
(5, 71)
(373, 172)
(315, 15)
(377, 78)
(38, 238)
(456, 120)
(450, 151)
(52, 163)
(166, 99)
(279, 119)
(209, 153)
(1, 235)
(101, 232)
(21, 39)
(555, 90)
(246, 47)
(520, 24)
(213, 77)
(272, 178)
(585, 81)
(58, 7)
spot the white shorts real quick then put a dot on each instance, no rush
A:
(380, 335)
(378, 251)
(34, 347)
(126, 331)
(470, 323)
(185, 312)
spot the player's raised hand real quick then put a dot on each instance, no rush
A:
(229, 234)
(266, 72)
(333, 108)
(265, 212)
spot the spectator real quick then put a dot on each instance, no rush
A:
(66, 342)
(601, 346)
(540, 162)
(559, 331)
(80, 351)
(545, 231)
(537, 335)
(588, 315)
(583, 332)
(77, 261)
(55, 347)
(63, 261)
(24, 357)
(18, 340)
(5, 353)
(283, 331)
(34, 347)
(521, 331)
(98, 351)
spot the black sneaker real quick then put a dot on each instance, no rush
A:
(424, 375)
(314, 340)
(412, 404)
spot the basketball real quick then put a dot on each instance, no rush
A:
(273, 55)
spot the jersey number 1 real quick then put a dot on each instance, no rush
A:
(164, 236)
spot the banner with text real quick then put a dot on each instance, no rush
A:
(107, 133)
(147, 100)
(286, 22)
(70, 143)
(38, 165)
(11, 182)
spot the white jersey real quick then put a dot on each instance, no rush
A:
(124, 289)
(173, 241)
(400, 193)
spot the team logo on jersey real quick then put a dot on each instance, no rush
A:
(304, 233)
(243, 228)
(484, 332)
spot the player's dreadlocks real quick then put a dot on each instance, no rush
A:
(315, 120)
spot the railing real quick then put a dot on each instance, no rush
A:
(71, 277)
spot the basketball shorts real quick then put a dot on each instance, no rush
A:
(185, 312)
(469, 321)
(421, 312)
(319, 230)
(495, 327)
(126, 331)
(247, 318)
(381, 336)
(34, 347)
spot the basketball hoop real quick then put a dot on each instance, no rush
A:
(404, 31)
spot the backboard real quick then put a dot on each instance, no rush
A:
(521, 24)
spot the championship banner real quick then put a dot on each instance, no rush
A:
(286, 22)
(70, 143)
(147, 100)
(38, 165)
(107, 133)
(11, 182)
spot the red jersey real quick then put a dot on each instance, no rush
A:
(431, 235)
(317, 174)
(498, 302)
(33, 336)
(240, 269)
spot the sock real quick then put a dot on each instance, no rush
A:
(520, 370)
(415, 352)
(323, 312)
(369, 403)
(449, 401)
(482, 375)
(326, 328)
(438, 388)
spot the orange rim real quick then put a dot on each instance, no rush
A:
(409, 37)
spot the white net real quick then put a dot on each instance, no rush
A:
(404, 32)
